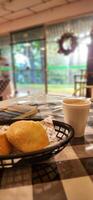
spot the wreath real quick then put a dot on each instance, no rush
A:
(72, 43)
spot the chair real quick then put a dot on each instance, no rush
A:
(80, 84)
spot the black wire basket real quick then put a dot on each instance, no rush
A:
(64, 134)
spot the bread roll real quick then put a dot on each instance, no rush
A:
(5, 147)
(27, 136)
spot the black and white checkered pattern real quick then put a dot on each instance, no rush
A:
(3, 84)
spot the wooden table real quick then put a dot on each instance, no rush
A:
(67, 176)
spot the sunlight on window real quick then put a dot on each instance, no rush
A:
(81, 52)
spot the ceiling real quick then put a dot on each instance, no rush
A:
(11, 10)
(19, 14)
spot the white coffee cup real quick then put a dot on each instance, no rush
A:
(76, 114)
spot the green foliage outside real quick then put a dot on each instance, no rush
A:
(60, 69)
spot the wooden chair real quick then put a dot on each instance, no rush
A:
(79, 85)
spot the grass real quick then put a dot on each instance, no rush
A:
(61, 88)
(53, 88)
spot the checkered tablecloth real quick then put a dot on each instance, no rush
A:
(3, 84)
(67, 176)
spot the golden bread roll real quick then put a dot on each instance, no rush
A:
(27, 136)
(5, 147)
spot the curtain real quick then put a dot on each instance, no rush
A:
(62, 68)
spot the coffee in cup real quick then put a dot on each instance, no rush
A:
(76, 114)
